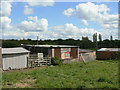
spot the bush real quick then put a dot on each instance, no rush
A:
(56, 61)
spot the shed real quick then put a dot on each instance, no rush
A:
(61, 51)
(87, 55)
(107, 53)
(14, 58)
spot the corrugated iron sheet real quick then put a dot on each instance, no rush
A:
(14, 50)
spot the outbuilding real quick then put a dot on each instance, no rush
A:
(14, 58)
(87, 55)
(107, 53)
(61, 51)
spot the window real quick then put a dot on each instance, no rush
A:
(67, 54)
(65, 49)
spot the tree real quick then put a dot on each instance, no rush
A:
(94, 37)
(95, 40)
(111, 38)
(100, 37)
(85, 38)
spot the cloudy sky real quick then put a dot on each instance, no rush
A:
(53, 20)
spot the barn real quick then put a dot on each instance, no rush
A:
(107, 53)
(14, 58)
(61, 51)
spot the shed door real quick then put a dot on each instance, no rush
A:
(14, 61)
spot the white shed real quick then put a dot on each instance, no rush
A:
(14, 58)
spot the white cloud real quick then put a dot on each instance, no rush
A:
(70, 31)
(5, 21)
(109, 21)
(13, 33)
(84, 22)
(39, 27)
(97, 14)
(40, 2)
(28, 11)
(9, 31)
(107, 33)
(5, 9)
(26, 29)
(90, 11)
(33, 18)
(68, 12)
(34, 24)
(34, 3)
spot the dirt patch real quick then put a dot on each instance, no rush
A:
(30, 80)
(24, 83)
(21, 85)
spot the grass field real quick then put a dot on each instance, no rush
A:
(95, 74)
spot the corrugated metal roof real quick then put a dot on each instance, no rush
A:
(14, 50)
(67, 46)
(109, 49)
(85, 50)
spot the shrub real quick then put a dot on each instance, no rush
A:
(56, 61)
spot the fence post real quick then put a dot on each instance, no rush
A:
(27, 62)
(50, 60)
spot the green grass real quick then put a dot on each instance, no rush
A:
(95, 74)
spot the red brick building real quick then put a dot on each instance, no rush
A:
(107, 53)
(61, 51)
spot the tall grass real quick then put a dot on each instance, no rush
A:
(95, 74)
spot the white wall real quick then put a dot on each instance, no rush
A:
(52, 52)
(14, 61)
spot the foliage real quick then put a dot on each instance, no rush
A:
(95, 37)
(56, 61)
(111, 38)
(95, 74)
(100, 37)
(85, 38)
(85, 43)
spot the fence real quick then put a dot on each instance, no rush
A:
(87, 57)
(38, 61)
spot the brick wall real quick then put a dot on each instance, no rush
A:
(57, 52)
(74, 53)
(50, 52)
(104, 55)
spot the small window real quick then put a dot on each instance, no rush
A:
(65, 49)
(67, 54)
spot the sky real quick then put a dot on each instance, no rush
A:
(58, 20)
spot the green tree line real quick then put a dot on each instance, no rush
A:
(85, 43)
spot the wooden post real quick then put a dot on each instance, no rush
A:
(31, 63)
(27, 62)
